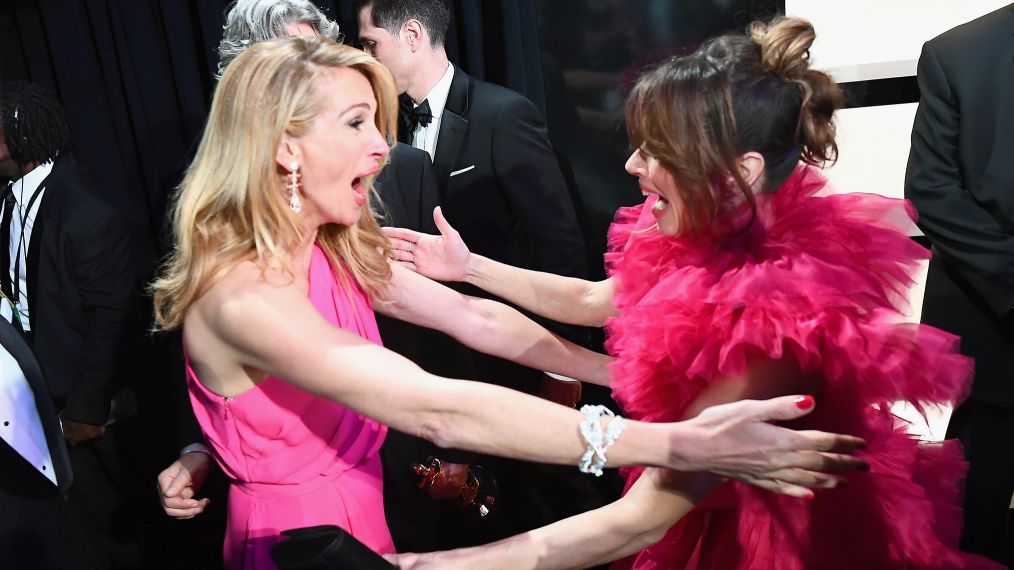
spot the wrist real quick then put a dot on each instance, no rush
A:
(196, 448)
(472, 272)
(681, 441)
(645, 444)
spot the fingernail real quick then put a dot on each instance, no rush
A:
(809, 496)
(804, 402)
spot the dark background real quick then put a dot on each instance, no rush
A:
(135, 77)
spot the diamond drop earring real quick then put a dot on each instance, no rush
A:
(292, 188)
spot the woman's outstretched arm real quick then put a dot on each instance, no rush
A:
(446, 258)
(626, 526)
(489, 326)
(655, 502)
(267, 328)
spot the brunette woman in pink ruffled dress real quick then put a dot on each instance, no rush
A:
(742, 277)
(278, 266)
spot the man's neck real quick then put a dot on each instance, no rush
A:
(16, 175)
(428, 75)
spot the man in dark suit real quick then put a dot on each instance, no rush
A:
(67, 271)
(38, 526)
(501, 186)
(961, 179)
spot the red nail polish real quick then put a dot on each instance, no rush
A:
(804, 402)
(809, 497)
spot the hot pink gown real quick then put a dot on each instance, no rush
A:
(296, 459)
(820, 279)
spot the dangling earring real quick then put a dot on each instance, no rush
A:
(292, 188)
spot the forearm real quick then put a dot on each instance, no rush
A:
(562, 299)
(504, 332)
(473, 415)
(624, 527)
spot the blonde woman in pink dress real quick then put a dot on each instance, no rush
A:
(278, 267)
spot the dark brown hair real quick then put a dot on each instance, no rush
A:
(738, 93)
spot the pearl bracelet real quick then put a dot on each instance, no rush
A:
(597, 438)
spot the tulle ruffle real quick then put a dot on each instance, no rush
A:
(820, 278)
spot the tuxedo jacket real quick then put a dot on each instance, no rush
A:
(12, 342)
(38, 526)
(499, 181)
(500, 185)
(408, 190)
(81, 293)
(961, 180)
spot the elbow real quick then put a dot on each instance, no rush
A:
(480, 329)
(650, 537)
(437, 428)
(596, 304)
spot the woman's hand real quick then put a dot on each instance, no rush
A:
(442, 258)
(739, 441)
(180, 482)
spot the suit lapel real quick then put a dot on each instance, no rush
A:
(11, 340)
(5, 245)
(49, 200)
(453, 126)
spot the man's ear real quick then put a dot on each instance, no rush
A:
(288, 153)
(751, 167)
(414, 34)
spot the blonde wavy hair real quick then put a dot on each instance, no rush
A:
(232, 207)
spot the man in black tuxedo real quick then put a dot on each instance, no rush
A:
(501, 186)
(38, 526)
(961, 179)
(67, 273)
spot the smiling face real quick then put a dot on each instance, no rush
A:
(341, 148)
(655, 179)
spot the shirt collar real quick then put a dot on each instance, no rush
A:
(24, 188)
(437, 97)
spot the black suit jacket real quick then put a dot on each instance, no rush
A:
(501, 187)
(961, 180)
(500, 182)
(81, 294)
(11, 341)
(408, 190)
(38, 525)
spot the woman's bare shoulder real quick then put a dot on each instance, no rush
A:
(245, 287)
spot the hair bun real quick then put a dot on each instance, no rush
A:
(784, 46)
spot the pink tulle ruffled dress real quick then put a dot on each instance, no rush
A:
(296, 459)
(820, 277)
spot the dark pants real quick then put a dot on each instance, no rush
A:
(102, 490)
(41, 528)
(987, 434)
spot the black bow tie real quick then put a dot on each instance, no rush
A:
(411, 116)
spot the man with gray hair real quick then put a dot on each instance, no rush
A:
(252, 21)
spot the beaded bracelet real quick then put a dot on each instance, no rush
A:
(597, 438)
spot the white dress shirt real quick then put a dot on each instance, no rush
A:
(20, 425)
(425, 137)
(22, 222)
